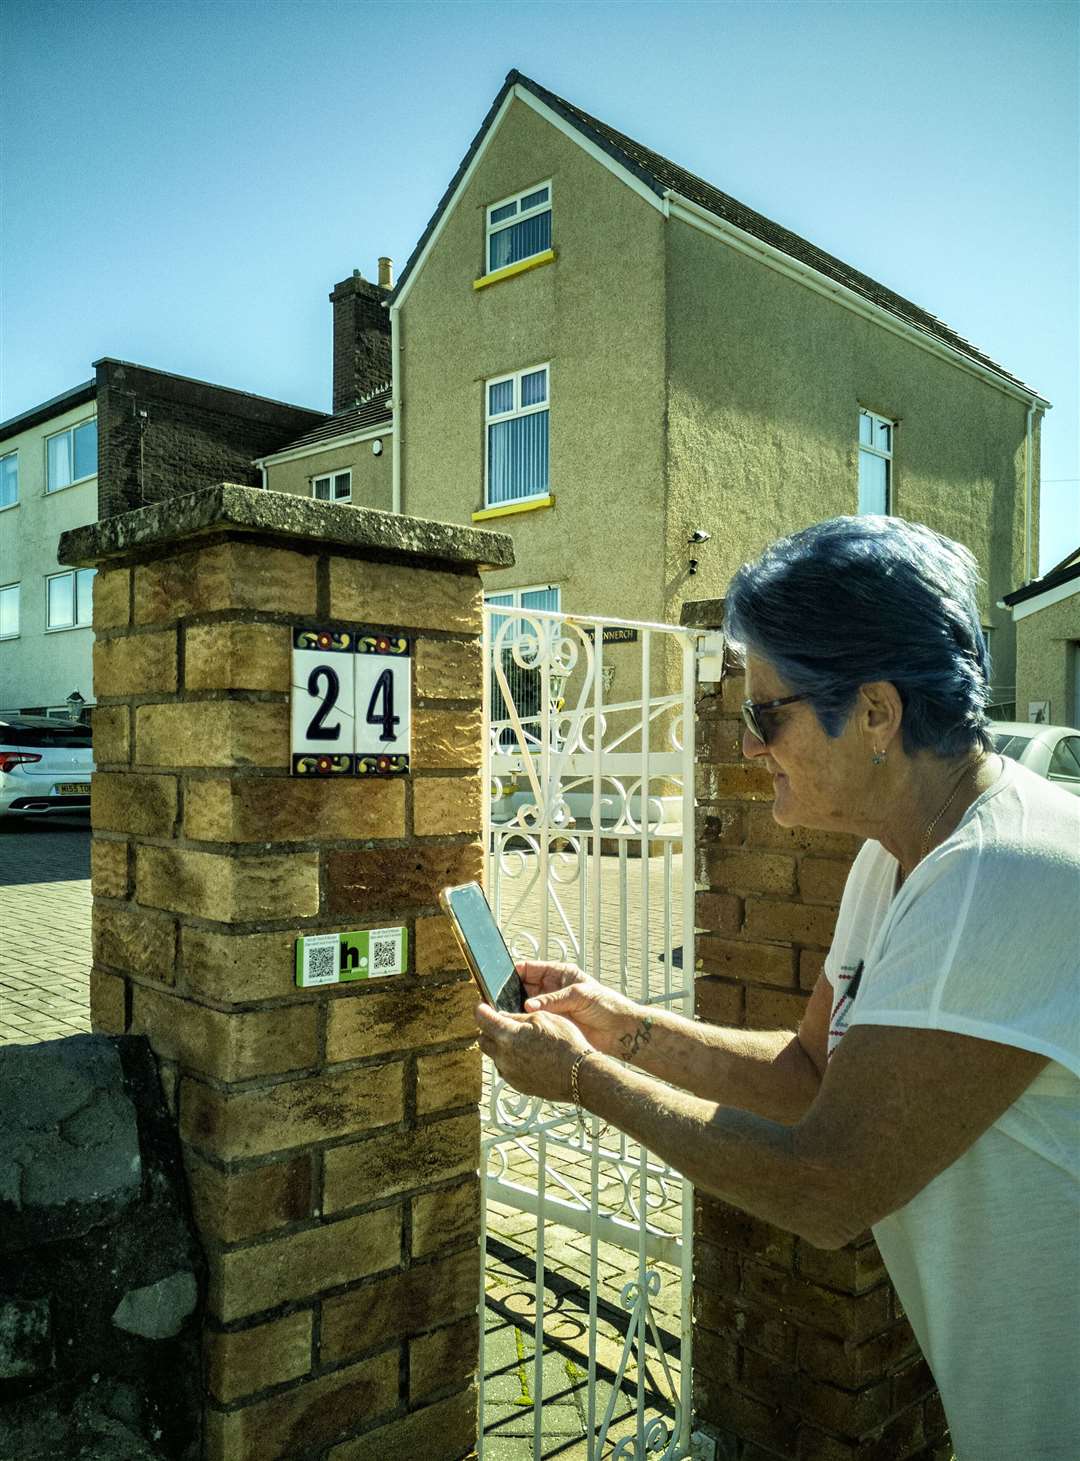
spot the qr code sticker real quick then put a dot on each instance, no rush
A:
(321, 960)
(385, 954)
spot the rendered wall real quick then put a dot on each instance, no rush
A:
(765, 384)
(1048, 660)
(597, 315)
(39, 669)
(372, 476)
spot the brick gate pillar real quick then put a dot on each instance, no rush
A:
(331, 1134)
(798, 1352)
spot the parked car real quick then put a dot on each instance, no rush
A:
(1052, 751)
(45, 766)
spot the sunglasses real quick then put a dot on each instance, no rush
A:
(751, 710)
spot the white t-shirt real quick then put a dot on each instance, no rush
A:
(984, 939)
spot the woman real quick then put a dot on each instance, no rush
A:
(933, 1089)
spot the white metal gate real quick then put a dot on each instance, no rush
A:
(590, 835)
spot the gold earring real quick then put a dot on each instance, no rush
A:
(878, 758)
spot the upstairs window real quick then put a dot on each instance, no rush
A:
(9, 479)
(517, 436)
(337, 487)
(70, 599)
(875, 462)
(519, 227)
(71, 456)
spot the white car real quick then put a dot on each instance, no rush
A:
(45, 766)
(1052, 751)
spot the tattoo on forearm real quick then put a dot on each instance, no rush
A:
(633, 1041)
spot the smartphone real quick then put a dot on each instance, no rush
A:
(484, 946)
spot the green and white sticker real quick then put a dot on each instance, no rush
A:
(337, 958)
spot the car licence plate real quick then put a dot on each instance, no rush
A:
(73, 788)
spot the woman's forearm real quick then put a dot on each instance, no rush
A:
(742, 1158)
(764, 1071)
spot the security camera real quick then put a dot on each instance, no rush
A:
(699, 535)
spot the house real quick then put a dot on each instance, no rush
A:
(347, 457)
(125, 438)
(1046, 613)
(644, 381)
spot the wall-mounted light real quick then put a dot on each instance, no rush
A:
(376, 448)
(698, 536)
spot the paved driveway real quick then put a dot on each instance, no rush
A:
(44, 929)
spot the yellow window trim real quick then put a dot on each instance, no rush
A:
(521, 267)
(505, 508)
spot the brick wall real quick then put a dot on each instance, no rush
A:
(156, 431)
(798, 1352)
(331, 1135)
(361, 340)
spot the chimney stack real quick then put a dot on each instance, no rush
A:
(361, 337)
(386, 273)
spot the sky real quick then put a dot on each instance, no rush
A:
(184, 182)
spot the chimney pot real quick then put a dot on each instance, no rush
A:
(386, 273)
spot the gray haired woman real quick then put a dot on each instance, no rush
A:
(932, 1092)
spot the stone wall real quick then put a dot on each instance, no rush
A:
(100, 1274)
(331, 1135)
(797, 1351)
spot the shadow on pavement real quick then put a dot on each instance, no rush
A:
(52, 850)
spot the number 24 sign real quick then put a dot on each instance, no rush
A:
(351, 702)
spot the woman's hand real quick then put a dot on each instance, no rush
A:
(533, 1053)
(605, 1017)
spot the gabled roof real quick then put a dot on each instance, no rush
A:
(374, 410)
(662, 177)
(1064, 572)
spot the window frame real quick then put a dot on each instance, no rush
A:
(519, 217)
(6, 456)
(332, 478)
(77, 623)
(518, 411)
(69, 431)
(889, 457)
(15, 587)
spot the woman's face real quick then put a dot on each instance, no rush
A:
(818, 780)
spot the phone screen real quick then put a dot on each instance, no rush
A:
(477, 927)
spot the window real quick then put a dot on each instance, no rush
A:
(519, 227)
(70, 599)
(337, 487)
(9, 611)
(517, 436)
(9, 479)
(525, 685)
(875, 462)
(71, 455)
(1065, 762)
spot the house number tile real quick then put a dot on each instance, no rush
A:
(351, 708)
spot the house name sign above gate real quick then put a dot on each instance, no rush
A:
(612, 634)
(351, 702)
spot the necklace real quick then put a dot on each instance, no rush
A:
(973, 766)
